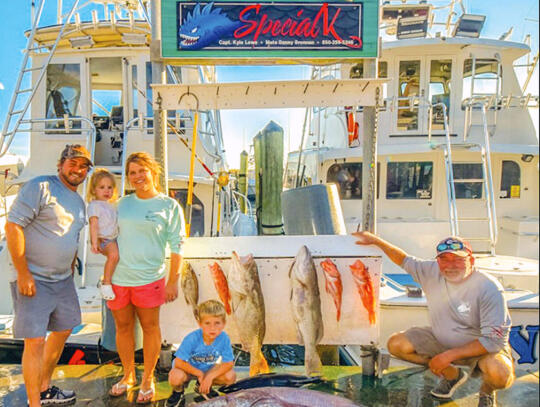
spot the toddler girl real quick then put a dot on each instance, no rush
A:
(102, 216)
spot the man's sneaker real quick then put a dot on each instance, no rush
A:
(487, 400)
(54, 395)
(446, 388)
(177, 399)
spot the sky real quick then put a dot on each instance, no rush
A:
(239, 127)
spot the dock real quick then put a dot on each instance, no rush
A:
(400, 386)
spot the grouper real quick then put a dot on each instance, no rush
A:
(248, 309)
(306, 308)
(277, 397)
(190, 286)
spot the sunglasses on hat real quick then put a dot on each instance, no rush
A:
(450, 246)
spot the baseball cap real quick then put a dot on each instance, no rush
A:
(455, 245)
(76, 151)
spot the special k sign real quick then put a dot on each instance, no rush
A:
(239, 29)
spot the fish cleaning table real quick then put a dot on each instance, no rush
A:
(274, 256)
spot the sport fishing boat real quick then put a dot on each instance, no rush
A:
(86, 76)
(457, 154)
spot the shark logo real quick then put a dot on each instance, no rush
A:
(204, 27)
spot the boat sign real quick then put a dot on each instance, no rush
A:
(277, 29)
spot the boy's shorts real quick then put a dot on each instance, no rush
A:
(145, 296)
(54, 307)
(425, 343)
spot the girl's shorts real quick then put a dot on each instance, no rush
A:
(145, 296)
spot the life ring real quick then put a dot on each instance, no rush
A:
(352, 127)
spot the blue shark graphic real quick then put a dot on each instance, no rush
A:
(205, 27)
(524, 346)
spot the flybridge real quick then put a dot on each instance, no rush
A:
(239, 32)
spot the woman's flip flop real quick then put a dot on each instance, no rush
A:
(119, 389)
(145, 396)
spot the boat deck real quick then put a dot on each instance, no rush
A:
(400, 386)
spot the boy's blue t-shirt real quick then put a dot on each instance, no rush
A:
(194, 351)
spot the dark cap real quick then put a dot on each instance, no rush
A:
(455, 245)
(76, 151)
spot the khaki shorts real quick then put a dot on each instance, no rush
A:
(426, 344)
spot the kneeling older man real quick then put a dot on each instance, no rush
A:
(470, 323)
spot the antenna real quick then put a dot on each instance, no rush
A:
(507, 34)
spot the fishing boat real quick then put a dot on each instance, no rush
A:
(457, 154)
(86, 76)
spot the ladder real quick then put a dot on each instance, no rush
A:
(491, 99)
(487, 182)
(22, 97)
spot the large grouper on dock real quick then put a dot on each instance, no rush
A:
(248, 309)
(306, 308)
(277, 397)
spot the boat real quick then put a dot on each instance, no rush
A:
(457, 154)
(90, 73)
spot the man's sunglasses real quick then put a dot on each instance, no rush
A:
(441, 247)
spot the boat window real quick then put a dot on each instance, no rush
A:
(439, 90)
(290, 173)
(134, 91)
(510, 180)
(409, 85)
(409, 180)
(357, 71)
(149, 110)
(487, 81)
(197, 210)
(383, 69)
(308, 170)
(63, 93)
(468, 180)
(348, 178)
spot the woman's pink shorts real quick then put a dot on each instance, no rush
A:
(144, 296)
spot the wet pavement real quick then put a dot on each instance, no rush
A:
(400, 386)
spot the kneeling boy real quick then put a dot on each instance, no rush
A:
(205, 355)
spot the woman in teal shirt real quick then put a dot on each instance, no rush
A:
(149, 222)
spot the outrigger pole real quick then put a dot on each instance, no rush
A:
(189, 202)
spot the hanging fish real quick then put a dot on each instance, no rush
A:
(333, 286)
(365, 288)
(222, 287)
(248, 309)
(306, 308)
(190, 285)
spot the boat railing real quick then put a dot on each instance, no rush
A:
(495, 103)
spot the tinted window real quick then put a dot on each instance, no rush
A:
(468, 180)
(197, 210)
(409, 180)
(510, 180)
(63, 92)
(348, 178)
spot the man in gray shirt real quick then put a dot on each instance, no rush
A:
(470, 323)
(42, 233)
